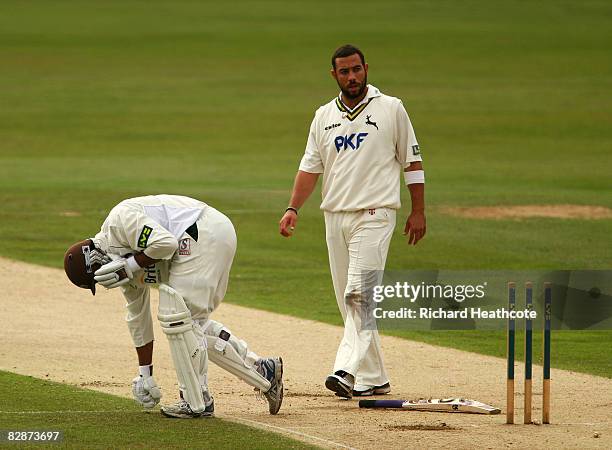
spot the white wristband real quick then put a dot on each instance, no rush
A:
(132, 265)
(414, 176)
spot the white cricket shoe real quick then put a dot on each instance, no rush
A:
(366, 391)
(272, 370)
(341, 383)
(182, 410)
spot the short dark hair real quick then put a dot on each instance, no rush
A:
(347, 50)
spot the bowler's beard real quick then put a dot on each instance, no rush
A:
(346, 94)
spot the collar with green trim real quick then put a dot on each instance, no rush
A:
(352, 114)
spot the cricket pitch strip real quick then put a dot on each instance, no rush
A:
(69, 333)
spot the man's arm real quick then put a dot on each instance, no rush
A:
(145, 354)
(145, 261)
(139, 232)
(303, 186)
(415, 225)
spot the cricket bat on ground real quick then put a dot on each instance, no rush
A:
(460, 405)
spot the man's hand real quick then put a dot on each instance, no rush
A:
(303, 186)
(415, 227)
(287, 223)
(145, 391)
(114, 274)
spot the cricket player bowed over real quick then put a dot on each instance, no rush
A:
(187, 248)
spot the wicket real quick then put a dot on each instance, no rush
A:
(511, 331)
(528, 354)
(547, 323)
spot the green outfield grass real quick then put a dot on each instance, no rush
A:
(582, 351)
(509, 100)
(91, 419)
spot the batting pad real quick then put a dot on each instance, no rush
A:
(227, 352)
(190, 359)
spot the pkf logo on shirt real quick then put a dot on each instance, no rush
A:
(350, 140)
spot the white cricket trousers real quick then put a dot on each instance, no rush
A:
(201, 276)
(199, 271)
(358, 241)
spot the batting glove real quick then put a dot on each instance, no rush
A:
(116, 273)
(97, 256)
(145, 391)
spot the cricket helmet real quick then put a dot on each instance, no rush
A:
(79, 267)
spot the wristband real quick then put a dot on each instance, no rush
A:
(132, 265)
(414, 176)
(291, 208)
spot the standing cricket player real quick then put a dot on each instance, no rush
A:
(361, 141)
(187, 247)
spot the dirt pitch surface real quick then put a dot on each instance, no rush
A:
(518, 212)
(55, 331)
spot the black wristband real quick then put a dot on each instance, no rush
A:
(291, 208)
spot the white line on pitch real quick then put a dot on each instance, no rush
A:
(231, 419)
(289, 430)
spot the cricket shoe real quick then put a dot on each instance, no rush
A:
(341, 383)
(182, 410)
(372, 390)
(272, 370)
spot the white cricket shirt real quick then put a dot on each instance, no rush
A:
(361, 152)
(152, 224)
